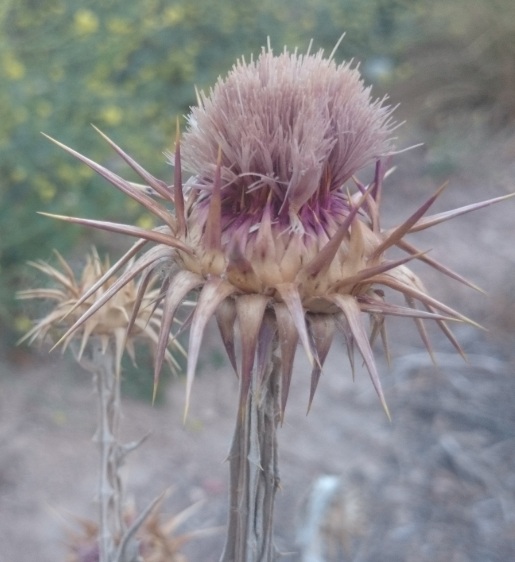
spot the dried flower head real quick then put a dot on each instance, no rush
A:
(273, 229)
(158, 538)
(108, 325)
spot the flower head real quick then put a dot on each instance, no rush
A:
(109, 325)
(290, 131)
(273, 230)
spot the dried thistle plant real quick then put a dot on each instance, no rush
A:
(282, 243)
(158, 537)
(100, 345)
(108, 325)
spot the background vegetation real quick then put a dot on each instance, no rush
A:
(130, 67)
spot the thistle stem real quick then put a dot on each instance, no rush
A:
(254, 473)
(116, 541)
(112, 526)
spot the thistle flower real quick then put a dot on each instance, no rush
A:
(273, 229)
(109, 325)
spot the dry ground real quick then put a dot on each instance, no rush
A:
(437, 484)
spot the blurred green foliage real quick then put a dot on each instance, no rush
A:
(129, 67)
(457, 62)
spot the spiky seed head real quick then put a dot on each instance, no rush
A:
(273, 230)
(69, 296)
